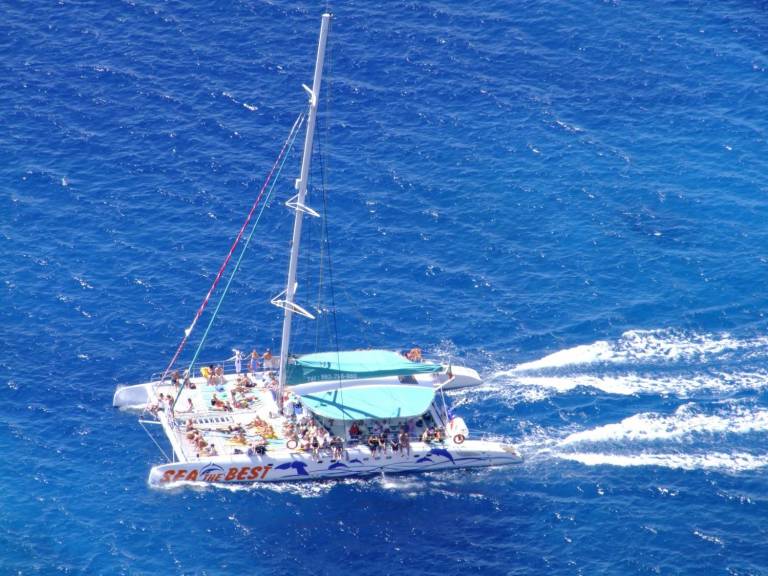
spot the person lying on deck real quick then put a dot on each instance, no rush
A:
(217, 403)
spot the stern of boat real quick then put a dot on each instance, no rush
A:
(462, 377)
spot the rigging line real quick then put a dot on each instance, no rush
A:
(325, 241)
(167, 459)
(283, 157)
(188, 331)
(324, 146)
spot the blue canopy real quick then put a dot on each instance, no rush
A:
(378, 402)
(347, 365)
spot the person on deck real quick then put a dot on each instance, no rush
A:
(384, 440)
(373, 444)
(218, 377)
(217, 403)
(337, 447)
(405, 441)
(267, 360)
(238, 358)
(415, 354)
(354, 432)
(254, 361)
(188, 381)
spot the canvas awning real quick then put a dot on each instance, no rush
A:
(379, 402)
(354, 364)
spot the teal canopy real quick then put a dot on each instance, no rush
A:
(353, 364)
(379, 402)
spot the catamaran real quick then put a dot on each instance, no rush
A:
(313, 416)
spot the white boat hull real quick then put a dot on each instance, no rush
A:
(290, 466)
(136, 396)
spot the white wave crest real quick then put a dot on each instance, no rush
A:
(683, 423)
(649, 346)
(534, 388)
(735, 462)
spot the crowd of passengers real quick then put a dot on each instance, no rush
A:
(260, 430)
(380, 439)
(310, 436)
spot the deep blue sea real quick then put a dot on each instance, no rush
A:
(572, 197)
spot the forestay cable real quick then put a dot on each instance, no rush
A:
(281, 159)
(188, 331)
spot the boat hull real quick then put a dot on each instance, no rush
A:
(288, 466)
(136, 396)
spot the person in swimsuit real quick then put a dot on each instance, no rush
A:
(373, 444)
(384, 440)
(405, 441)
(267, 359)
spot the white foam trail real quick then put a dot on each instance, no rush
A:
(301, 489)
(600, 351)
(735, 462)
(636, 346)
(534, 388)
(683, 423)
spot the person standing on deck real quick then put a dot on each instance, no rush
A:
(267, 358)
(238, 358)
(254, 361)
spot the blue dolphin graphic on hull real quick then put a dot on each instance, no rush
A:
(300, 467)
(211, 467)
(441, 452)
(337, 465)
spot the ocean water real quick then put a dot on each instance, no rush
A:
(569, 196)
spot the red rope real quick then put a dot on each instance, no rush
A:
(187, 332)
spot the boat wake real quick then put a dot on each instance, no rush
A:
(660, 362)
(649, 347)
(686, 422)
(712, 385)
(535, 388)
(721, 461)
(689, 438)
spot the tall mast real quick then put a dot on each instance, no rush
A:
(297, 203)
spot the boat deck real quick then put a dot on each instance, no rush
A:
(224, 415)
(218, 412)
